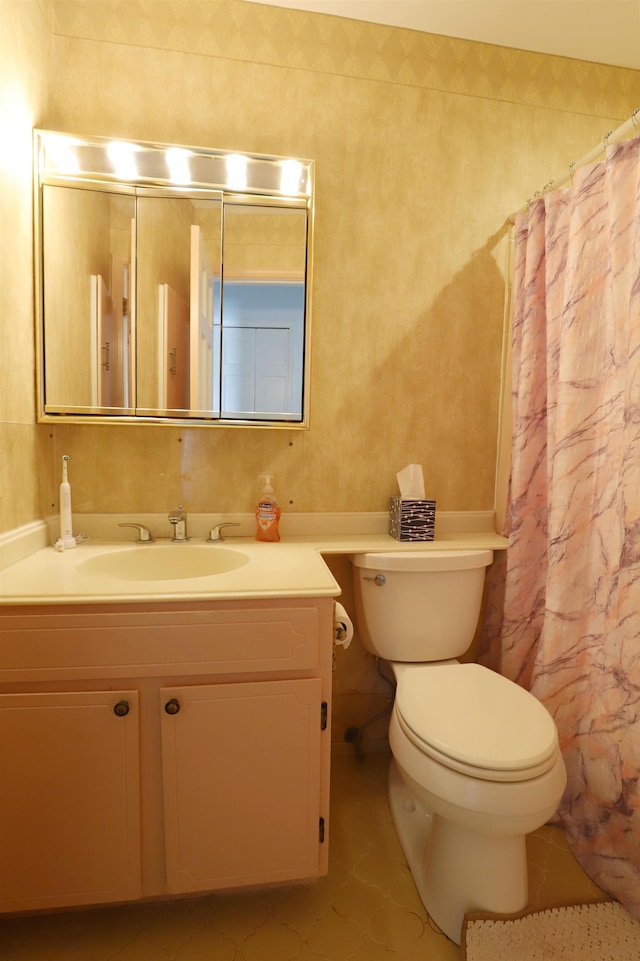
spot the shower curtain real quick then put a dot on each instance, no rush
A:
(564, 618)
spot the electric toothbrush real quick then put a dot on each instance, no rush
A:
(66, 541)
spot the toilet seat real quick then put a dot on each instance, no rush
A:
(475, 721)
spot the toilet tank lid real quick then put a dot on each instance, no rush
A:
(424, 560)
(471, 714)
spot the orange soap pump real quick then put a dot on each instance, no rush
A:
(267, 513)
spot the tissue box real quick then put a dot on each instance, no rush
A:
(412, 520)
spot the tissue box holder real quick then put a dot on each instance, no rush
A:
(412, 520)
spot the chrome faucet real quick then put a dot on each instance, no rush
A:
(179, 520)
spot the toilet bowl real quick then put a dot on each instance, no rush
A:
(476, 761)
(462, 805)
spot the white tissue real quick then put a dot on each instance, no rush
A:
(342, 627)
(411, 483)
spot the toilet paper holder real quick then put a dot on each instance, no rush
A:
(342, 627)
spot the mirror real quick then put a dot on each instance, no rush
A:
(263, 293)
(179, 269)
(162, 302)
(87, 321)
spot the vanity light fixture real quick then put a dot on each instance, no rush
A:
(178, 164)
(62, 154)
(66, 156)
(236, 165)
(290, 176)
(121, 156)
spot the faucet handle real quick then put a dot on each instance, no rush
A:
(215, 534)
(144, 534)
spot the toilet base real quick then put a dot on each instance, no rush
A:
(454, 868)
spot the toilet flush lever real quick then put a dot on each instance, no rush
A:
(379, 580)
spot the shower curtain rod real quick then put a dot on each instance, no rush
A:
(621, 133)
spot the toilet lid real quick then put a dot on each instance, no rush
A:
(472, 715)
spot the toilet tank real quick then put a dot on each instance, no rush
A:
(419, 605)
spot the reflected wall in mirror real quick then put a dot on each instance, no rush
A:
(164, 302)
(179, 270)
(87, 314)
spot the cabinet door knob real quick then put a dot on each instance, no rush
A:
(172, 706)
(121, 708)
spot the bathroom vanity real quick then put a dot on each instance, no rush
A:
(155, 749)
(165, 712)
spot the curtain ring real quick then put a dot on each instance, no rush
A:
(606, 139)
(633, 119)
(548, 186)
(572, 169)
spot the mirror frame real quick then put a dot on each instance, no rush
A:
(68, 160)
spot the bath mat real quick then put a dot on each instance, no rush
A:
(587, 932)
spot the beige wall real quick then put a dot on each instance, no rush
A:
(25, 42)
(423, 144)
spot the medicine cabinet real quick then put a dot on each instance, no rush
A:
(173, 283)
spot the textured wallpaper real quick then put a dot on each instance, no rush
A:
(423, 146)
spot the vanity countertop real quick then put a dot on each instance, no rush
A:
(294, 567)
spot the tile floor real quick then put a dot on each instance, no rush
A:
(366, 909)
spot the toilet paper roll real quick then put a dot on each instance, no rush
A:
(342, 627)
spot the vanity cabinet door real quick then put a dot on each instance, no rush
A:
(241, 767)
(69, 799)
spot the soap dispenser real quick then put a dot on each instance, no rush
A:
(267, 513)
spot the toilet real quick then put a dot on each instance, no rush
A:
(476, 762)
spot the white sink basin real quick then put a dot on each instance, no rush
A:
(164, 563)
